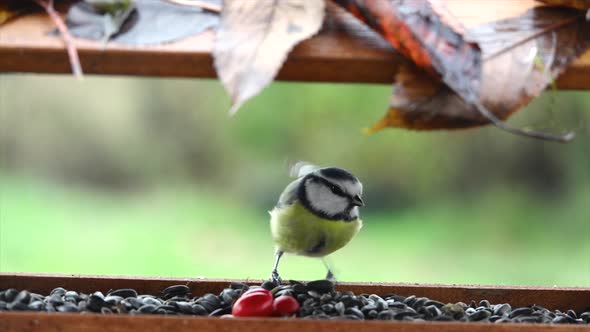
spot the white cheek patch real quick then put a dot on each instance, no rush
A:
(321, 198)
(353, 188)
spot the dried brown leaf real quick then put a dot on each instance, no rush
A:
(579, 4)
(522, 56)
(254, 39)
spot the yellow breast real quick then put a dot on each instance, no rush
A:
(296, 230)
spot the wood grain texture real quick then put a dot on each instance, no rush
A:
(345, 51)
(29, 322)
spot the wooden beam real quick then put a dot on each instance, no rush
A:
(550, 297)
(345, 51)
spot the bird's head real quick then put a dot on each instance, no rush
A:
(332, 193)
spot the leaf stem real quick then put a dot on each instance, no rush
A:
(561, 138)
(65, 33)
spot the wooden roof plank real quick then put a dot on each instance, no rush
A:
(345, 51)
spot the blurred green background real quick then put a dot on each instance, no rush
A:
(131, 176)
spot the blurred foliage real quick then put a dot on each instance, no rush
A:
(153, 171)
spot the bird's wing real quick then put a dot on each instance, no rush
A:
(289, 195)
(302, 168)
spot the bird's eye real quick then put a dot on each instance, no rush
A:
(336, 190)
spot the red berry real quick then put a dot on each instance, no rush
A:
(253, 303)
(285, 306)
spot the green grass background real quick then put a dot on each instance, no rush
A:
(150, 177)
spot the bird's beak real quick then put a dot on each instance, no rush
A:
(357, 201)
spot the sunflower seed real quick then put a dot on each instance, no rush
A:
(124, 293)
(68, 307)
(147, 309)
(58, 291)
(522, 311)
(36, 306)
(10, 294)
(502, 309)
(321, 286)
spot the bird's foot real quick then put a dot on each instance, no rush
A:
(274, 277)
(330, 276)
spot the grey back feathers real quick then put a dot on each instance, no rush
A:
(330, 193)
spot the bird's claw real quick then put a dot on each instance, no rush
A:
(330, 276)
(274, 277)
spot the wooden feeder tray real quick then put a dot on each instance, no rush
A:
(550, 297)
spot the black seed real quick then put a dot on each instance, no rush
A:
(528, 319)
(392, 304)
(58, 291)
(198, 309)
(479, 315)
(221, 311)
(151, 300)
(404, 313)
(484, 303)
(23, 297)
(112, 299)
(36, 306)
(432, 310)
(68, 307)
(166, 307)
(355, 312)
(494, 318)
(434, 303)
(55, 300)
(419, 302)
(368, 308)
(184, 307)
(10, 294)
(317, 312)
(325, 298)
(230, 295)
(372, 314)
(340, 308)
(570, 313)
(82, 305)
(321, 286)
(147, 309)
(502, 309)
(134, 302)
(503, 320)
(560, 320)
(287, 292)
(327, 308)
(585, 316)
(386, 315)
(175, 290)
(124, 292)
(299, 288)
(522, 311)
(268, 285)
(106, 310)
(350, 300)
(95, 302)
(410, 300)
(444, 318)
(17, 306)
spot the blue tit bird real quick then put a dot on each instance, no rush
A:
(316, 214)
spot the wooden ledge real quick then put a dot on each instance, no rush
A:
(550, 297)
(345, 51)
